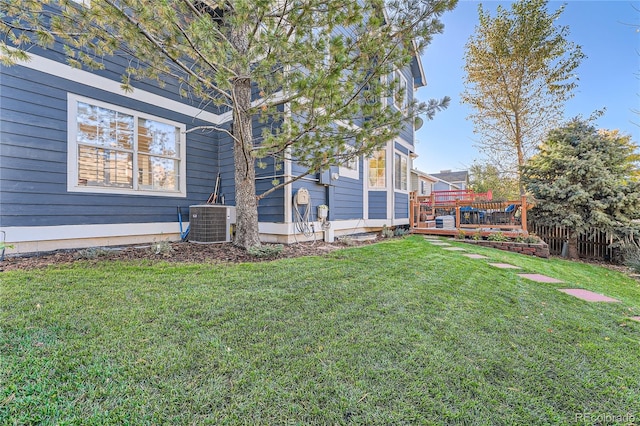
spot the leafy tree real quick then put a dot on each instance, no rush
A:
(583, 178)
(520, 70)
(487, 177)
(321, 68)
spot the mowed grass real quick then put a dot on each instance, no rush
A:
(400, 332)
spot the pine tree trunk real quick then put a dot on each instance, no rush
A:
(572, 252)
(247, 233)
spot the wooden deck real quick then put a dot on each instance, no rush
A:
(473, 214)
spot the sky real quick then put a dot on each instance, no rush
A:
(609, 77)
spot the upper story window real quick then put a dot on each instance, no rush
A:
(351, 167)
(400, 178)
(378, 170)
(115, 150)
(400, 92)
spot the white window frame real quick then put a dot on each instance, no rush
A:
(401, 84)
(72, 151)
(397, 180)
(350, 168)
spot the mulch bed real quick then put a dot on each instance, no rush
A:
(178, 252)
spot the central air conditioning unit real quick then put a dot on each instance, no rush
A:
(211, 223)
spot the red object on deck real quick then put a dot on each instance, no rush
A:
(439, 198)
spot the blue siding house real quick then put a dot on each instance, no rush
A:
(62, 185)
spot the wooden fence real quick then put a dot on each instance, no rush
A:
(593, 244)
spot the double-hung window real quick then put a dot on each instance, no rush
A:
(350, 167)
(400, 92)
(400, 178)
(115, 150)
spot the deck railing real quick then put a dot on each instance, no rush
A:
(443, 198)
(476, 211)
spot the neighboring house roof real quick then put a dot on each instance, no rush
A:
(432, 178)
(449, 176)
(424, 174)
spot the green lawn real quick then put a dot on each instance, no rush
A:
(400, 332)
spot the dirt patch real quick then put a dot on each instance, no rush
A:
(179, 252)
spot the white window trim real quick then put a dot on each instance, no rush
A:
(72, 151)
(348, 172)
(396, 179)
(397, 75)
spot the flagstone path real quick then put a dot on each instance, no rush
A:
(504, 265)
(576, 292)
(587, 295)
(475, 256)
(540, 278)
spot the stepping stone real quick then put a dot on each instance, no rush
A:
(636, 318)
(440, 244)
(454, 249)
(475, 256)
(504, 266)
(540, 278)
(587, 295)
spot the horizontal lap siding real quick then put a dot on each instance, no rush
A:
(317, 193)
(33, 158)
(377, 205)
(401, 207)
(406, 132)
(225, 166)
(271, 207)
(115, 67)
(348, 198)
(401, 148)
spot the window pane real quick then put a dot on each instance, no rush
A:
(396, 177)
(104, 167)
(157, 173)
(377, 170)
(158, 138)
(104, 127)
(403, 173)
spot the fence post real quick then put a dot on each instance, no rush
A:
(523, 213)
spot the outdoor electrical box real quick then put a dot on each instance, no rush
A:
(324, 177)
(302, 197)
(211, 223)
